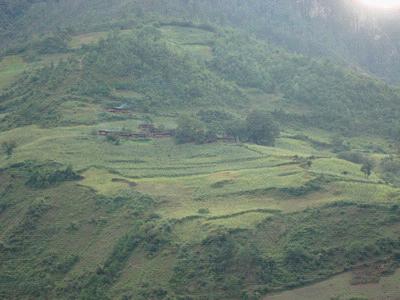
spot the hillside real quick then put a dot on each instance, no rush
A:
(342, 31)
(131, 169)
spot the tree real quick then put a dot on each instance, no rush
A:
(8, 147)
(339, 144)
(190, 130)
(236, 129)
(367, 167)
(261, 128)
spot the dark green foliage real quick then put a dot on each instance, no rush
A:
(42, 177)
(239, 59)
(222, 183)
(136, 203)
(145, 63)
(8, 147)
(298, 260)
(95, 286)
(367, 167)
(56, 43)
(390, 165)
(236, 129)
(261, 129)
(17, 238)
(339, 144)
(215, 120)
(306, 247)
(155, 237)
(208, 267)
(354, 157)
(156, 293)
(390, 168)
(311, 186)
(330, 92)
(38, 95)
(192, 130)
(113, 139)
(203, 211)
(55, 264)
(334, 98)
(143, 232)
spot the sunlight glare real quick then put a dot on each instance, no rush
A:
(384, 4)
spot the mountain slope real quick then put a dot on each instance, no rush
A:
(98, 200)
(342, 31)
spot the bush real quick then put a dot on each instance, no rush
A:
(339, 144)
(299, 259)
(203, 211)
(354, 157)
(367, 167)
(8, 147)
(192, 130)
(390, 165)
(113, 139)
(43, 178)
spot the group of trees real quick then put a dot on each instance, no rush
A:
(259, 127)
(43, 177)
(144, 62)
(335, 98)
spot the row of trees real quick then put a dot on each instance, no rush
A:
(259, 127)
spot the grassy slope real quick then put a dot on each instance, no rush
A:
(340, 287)
(240, 185)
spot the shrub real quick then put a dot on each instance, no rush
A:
(8, 147)
(367, 167)
(339, 144)
(203, 211)
(113, 139)
(43, 178)
(299, 259)
(390, 165)
(354, 157)
(192, 130)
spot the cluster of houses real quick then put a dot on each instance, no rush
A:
(121, 109)
(145, 130)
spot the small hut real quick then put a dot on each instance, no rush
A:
(121, 109)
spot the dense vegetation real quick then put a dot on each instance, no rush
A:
(331, 97)
(336, 29)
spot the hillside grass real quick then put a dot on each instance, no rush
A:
(340, 287)
(10, 68)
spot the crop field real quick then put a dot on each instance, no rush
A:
(223, 178)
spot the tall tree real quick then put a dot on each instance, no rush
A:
(261, 128)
